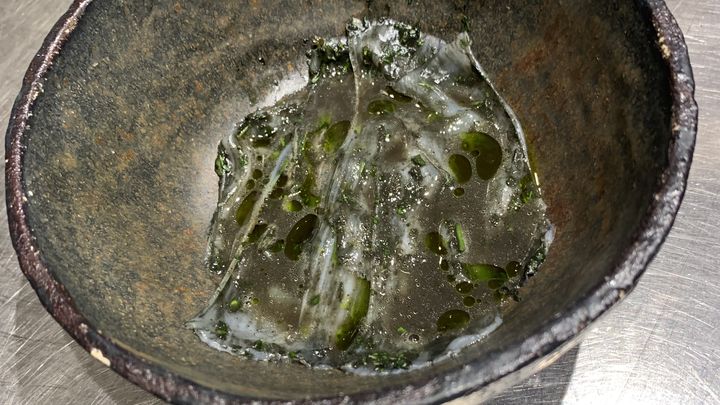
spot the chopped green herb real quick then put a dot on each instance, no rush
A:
(222, 164)
(383, 361)
(418, 160)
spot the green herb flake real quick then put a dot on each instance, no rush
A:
(222, 164)
(487, 152)
(418, 160)
(396, 95)
(292, 205)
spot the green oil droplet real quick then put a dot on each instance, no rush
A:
(380, 107)
(335, 136)
(245, 208)
(513, 269)
(222, 166)
(451, 278)
(292, 205)
(282, 181)
(256, 233)
(453, 319)
(487, 150)
(480, 273)
(444, 265)
(468, 301)
(309, 199)
(464, 287)
(257, 174)
(300, 233)
(250, 184)
(234, 305)
(435, 244)
(461, 168)
(459, 192)
(277, 193)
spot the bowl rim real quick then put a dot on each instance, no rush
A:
(489, 374)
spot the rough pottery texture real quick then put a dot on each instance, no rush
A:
(111, 186)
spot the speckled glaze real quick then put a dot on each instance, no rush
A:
(110, 182)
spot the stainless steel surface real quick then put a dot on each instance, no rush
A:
(661, 345)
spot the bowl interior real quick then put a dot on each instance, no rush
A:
(120, 148)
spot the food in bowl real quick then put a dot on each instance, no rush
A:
(376, 219)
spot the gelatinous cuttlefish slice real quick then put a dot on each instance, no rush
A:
(377, 216)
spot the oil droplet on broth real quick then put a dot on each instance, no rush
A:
(340, 222)
(300, 233)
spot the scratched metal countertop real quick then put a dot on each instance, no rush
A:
(660, 345)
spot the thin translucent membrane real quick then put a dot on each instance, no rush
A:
(377, 219)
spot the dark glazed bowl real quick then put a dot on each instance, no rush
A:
(110, 183)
